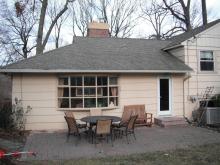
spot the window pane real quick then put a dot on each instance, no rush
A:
(63, 92)
(76, 92)
(89, 92)
(113, 91)
(63, 81)
(113, 101)
(113, 80)
(102, 102)
(102, 91)
(63, 103)
(207, 66)
(76, 81)
(102, 81)
(76, 103)
(206, 55)
(90, 103)
(89, 81)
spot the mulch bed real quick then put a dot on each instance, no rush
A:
(15, 135)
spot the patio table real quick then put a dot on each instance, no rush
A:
(93, 119)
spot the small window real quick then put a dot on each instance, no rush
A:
(206, 61)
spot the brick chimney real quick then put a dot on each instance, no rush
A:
(98, 29)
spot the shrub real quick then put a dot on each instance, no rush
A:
(6, 120)
(13, 117)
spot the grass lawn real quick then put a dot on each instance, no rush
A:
(200, 155)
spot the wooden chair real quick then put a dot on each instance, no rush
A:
(70, 114)
(103, 130)
(143, 119)
(73, 128)
(128, 129)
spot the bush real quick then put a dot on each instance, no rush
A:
(13, 117)
(214, 101)
(6, 120)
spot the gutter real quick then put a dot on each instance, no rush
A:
(88, 71)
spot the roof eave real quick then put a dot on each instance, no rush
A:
(90, 71)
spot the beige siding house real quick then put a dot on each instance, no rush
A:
(108, 73)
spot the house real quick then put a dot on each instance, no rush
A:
(108, 73)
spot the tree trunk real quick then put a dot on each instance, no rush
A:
(204, 12)
(39, 47)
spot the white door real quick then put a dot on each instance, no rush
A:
(164, 93)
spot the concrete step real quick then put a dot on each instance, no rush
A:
(170, 121)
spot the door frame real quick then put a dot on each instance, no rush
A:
(164, 113)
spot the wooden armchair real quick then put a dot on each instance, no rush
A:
(143, 119)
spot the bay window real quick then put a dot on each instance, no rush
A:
(87, 92)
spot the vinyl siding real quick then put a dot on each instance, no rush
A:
(40, 92)
(196, 85)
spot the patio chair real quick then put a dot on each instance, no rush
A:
(81, 124)
(128, 129)
(103, 130)
(73, 128)
(95, 112)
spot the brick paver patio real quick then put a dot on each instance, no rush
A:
(51, 146)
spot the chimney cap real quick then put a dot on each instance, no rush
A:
(98, 25)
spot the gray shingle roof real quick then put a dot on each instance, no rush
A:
(176, 40)
(103, 54)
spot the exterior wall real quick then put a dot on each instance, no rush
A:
(179, 53)
(40, 92)
(196, 85)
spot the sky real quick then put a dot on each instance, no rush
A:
(143, 29)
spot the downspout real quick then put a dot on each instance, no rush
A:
(184, 108)
(188, 75)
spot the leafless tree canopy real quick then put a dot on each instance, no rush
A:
(29, 25)
(16, 36)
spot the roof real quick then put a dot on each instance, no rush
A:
(177, 40)
(103, 55)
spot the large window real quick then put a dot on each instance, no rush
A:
(206, 61)
(87, 91)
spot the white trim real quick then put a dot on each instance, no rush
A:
(89, 71)
(169, 112)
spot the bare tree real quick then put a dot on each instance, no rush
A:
(52, 12)
(82, 14)
(119, 14)
(41, 43)
(180, 11)
(16, 29)
(204, 12)
(156, 16)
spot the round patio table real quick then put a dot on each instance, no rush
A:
(93, 119)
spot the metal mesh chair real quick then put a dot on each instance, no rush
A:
(128, 129)
(103, 130)
(95, 112)
(73, 128)
(70, 114)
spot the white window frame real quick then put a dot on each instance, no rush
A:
(199, 62)
(108, 86)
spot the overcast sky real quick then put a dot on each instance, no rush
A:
(142, 29)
